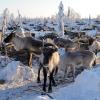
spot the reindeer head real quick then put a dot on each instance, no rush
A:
(91, 40)
(9, 38)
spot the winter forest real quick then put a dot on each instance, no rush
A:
(54, 57)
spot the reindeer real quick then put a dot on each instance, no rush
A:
(49, 35)
(90, 43)
(77, 59)
(61, 42)
(15, 26)
(83, 43)
(49, 61)
(95, 47)
(31, 45)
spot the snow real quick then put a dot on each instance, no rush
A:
(39, 33)
(85, 87)
(14, 72)
(98, 54)
(91, 33)
(7, 72)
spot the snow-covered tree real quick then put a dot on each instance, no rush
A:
(5, 20)
(72, 14)
(11, 20)
(98, 17)
(20, 29)
(19, 19)
(60, 21)
(89, 23)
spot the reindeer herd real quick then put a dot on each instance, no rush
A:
(46, 48)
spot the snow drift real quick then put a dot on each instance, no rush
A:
(16, 72)
(85, 87)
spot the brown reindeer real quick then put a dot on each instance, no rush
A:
(77, 59)
(49, 61)
(31, 45)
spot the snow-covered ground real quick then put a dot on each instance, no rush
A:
(21, 84)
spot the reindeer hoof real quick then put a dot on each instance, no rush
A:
(55, 85)
(50, 91)
(44, 89)
(38, 80)
(73, 80)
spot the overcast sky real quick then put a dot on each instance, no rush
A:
(45, 8)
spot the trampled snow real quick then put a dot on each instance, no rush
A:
(85, 87)
(91, 33)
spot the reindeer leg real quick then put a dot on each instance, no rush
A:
(30, 60)
(66, 71)
(53, 81)
(38, 78)
(96, 51)
(50, 82)
(73, 72)
(45, 78)
(56, 70)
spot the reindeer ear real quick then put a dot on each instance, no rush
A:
(91, 40)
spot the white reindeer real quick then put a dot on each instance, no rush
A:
(77, 59)
(31, 45)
